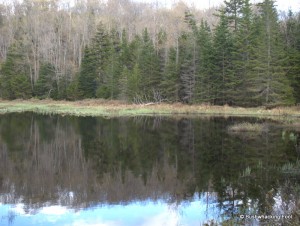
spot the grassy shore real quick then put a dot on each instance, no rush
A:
(117, 108)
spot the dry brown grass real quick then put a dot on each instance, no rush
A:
(114, 107)
(248, 127)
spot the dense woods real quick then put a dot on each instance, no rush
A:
(238, 54)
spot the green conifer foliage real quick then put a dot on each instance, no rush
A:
(187, 69)
(87, 80)
(123, 84)
(292, 40)
(204, 88)
(269, 83)
(244, 42)
(233, 10)
(223, 62)
(148, 63)
(170, 78)
(14, 78)
(44, 85)
(134, 85)
(93, 78)
(113, 67)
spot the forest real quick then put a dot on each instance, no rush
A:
(238, 54)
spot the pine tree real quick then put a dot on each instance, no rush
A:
(170, 78)
(113, 66)
(223, 62)
(14, 73)
(110, 81)
(93, 77)
(270, 85)
(44, 85)
(148, 63)
(233, 10)
(87, 80)
(243, 45)
(292, 42)
(123, 84)
(128, 52)
(101, 48)
(134, 85)
(188, 68)
(204, 80)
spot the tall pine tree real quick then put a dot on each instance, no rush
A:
(224, 81)
(269, 83)
(14, 74)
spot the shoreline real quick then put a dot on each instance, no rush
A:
(95, 107)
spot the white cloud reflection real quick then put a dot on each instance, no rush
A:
(146, 213)
(166, 218)
(54, 210)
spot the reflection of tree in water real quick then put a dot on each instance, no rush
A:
(83, 161)
(9, 217)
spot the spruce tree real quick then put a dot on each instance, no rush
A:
(269, 83)
(135, 93)
(148, 63)
(187, 71)
(292, 43)
(123, 84)
(44, 85)
(15, 82)
(233, 10)
(224, 81)
(112, 68)
(102, 49)
(93, 75)
(204, 87)
(244, 41)
(170, 78)
(87, 80)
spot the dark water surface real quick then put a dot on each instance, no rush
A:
(90, 171)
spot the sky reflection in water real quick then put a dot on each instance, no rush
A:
(130, 171)
(146, 213)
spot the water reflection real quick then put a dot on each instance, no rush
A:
(68, 170)
(144, 213)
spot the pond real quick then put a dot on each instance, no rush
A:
(87, 171)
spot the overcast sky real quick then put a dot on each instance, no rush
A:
(203, 4)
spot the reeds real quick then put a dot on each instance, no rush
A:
(100, 107)
(248, 127)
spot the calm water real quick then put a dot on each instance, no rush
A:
(144, 171)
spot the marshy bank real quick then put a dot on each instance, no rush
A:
(92, 107)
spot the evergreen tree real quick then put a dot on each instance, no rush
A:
(187, 69)
(112, 68)
(170, 78)
(101, 47)
(204, 80)
(244, 41)
(128, 51)
(87, 80)
(134, 85)
(148, 63)
(123, 84)
(14, 73)
(292, 42)
(44, 85)
(72, 90)
(233, 10)
(270, 85)
(223, 63)
(93, 77)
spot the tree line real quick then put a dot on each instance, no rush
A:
(249, 56)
